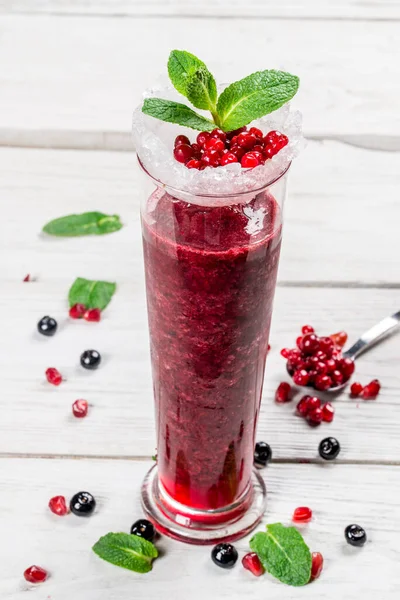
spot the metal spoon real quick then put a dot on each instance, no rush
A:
(368, 339)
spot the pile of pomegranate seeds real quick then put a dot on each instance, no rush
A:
(318, 361)
(302, 514)
(249, 147)
(369, 392)
(311, 408)
(53, 376)
(79, 311)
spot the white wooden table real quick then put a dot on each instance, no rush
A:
(70, 73)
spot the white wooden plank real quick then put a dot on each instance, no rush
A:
(84, 75)
(341, 9)
(338, 495)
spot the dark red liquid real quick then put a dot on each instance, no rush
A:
(210, 276)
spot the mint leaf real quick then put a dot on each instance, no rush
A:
(254, 96)
(125, 550)
(93, 294)
(191, 78)
(174, 112)
(283, 553)
(88, 223)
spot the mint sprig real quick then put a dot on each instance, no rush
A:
(126, 550)
(283, 553)
(240, 103)
(89, 223)
(91, 293)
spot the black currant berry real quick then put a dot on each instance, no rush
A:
(262, 454)
(82, 504)
(47, 326)
(224, 555)
(329, 448)
(144, 529)
(90, 359)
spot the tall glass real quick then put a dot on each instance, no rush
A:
(211, 265)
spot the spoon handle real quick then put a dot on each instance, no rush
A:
(374, 335)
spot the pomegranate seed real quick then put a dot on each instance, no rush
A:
(259, 156)
(281, 142)
(371, 390)
(301, 377)
(314, 417)
(270, 151)
(35, 574)
(320, 367)
(218, 133)
(307, 329)
(252, 563)
(339, 338)
(214, 143)
(323, 382)
(58, 506)
(272, 136)
(326, 345)
(330, 364)
(310, 343)
(77, 311)
(193, 164)
(258, 148)
(249, 160)
(285, 352)
(303, 406)
(231, 134)
(255, 131)
(328, 412)
(27, 278)
(228, 158)
(53, 376)
(299, 342)
(246, 140)
(181, 139)
(283, 392)
(80, 408)
(356, 389)
(202, 138)
(196, 150)
(183, 153)
(93, 314)
(313, 403)
(302, 514)
(211, 158)
(237, 151)
(347, 367)
(337, 377)
(316, 565)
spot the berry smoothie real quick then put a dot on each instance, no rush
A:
(210, 277)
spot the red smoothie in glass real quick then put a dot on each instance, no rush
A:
(210, 278)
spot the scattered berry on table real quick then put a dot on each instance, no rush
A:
(93, 314)
(82, 504)
(252, 563)
(262, 454)
(355, 535)
(144, 529)
(58, 506)
(80, 408)
(35, 574)
(303, 405)
(77, 311)
(283, 392)
(314, 417)
(329, 448)
(224, 555)
(371, 390)
(302, 514)
(47, 326)
(53, 376)
(328, 412)
(27, 278)
(356, 389)
(90, 359)
(317, 563)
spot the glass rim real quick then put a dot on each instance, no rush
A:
(160, 183)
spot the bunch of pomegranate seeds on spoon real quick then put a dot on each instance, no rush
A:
(317, 361)
(249, 147)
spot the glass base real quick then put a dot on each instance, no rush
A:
(195, 526)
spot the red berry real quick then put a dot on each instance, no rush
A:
(58, 506)
(27, 278)
(337, 377)
(218, 133)
(181, 139)
(283, 392)
(309, 343)
(307, 329)
(356, 389)
(302, 514)
(259, 148)
(347, 367)
(371, 390)
(285, 352)
(301, 377)
(77, 311)
(328, 412)
(214, 143)
(255, 131)
(320, 367)
(326, 345)
(183, 153)
(53, 376)
(339, 338)
(238, 151)
(330, 364)
(196, 150)
(246, 140)
(35, 574)
(259, 156)
(193, 164)
(299, 342)
(313, 403)
(80, 408)
(228, 158)
(314, 417)
(269, 151)
(281, 142)
(249, 160)
(252, 563)
(93, 314)
(316, 565)
(211, 158)
(303, 406)
(272, 136)
(203, 137)
(323, 382)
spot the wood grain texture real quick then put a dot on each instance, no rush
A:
(291, 9)
(338, 495)
(60, 80)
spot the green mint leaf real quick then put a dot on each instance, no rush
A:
(125, 550)
(93, 294)
(254, 96)
(174, 112)
(191, 78)
(283, 553)
(88, 223)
